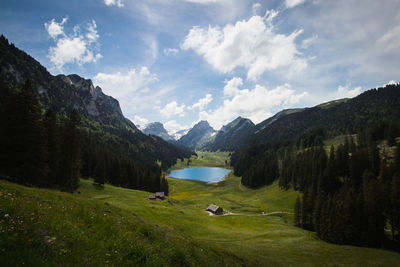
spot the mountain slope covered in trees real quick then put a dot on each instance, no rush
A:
(114, 144)
(351, 189)
(232, 135)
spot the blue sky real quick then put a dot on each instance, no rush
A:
(181, 61)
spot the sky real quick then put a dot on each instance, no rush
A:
(182, 61)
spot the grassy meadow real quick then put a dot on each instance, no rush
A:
(114, 226)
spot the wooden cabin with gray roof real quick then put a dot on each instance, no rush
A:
(215, 209)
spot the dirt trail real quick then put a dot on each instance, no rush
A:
(227, 213)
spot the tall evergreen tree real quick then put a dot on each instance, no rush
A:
(23, 151)
(297, 212)
(52, 141)
(70, 147)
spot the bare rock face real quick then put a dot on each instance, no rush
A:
(157, 129)
(95, 101)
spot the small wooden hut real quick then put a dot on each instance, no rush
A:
(215, 209)
(160, 195)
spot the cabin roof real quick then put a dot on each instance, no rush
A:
(213, 208)
(159, 194)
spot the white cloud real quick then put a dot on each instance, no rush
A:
(74, 48)
(205, 2)
(137, 90)
(54, 29)
(122, 84)
(256, 8)
(118, 3)
(256, 104)
(172, 127)
(391, 39)
(172, 109)
(92, 34)
(202, 103)
(306, 43)
(389, 83)
(172, 51)
(140, 122)
(346, 92)
(293, 3)
(232, 87)
(253, 45)
(152, 50)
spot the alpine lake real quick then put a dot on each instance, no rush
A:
(208, 175)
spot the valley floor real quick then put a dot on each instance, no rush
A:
(111, 225)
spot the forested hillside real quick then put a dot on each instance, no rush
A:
(351, 189)
(112, 144)
(232, 135)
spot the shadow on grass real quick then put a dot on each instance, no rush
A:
(98, 186)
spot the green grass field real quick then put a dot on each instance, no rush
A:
(115, 226)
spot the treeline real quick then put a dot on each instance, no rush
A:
(108, 166)
(31, 146)
(46, 150)
(350, 197)
(351, 193)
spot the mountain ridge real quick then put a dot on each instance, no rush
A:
(157, 129)
(232, 135)
(199, 136)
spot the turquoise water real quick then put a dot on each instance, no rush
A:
(209, 175)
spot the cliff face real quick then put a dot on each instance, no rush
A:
(95, 102)
(157, 129)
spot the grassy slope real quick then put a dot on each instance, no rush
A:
(173, 232)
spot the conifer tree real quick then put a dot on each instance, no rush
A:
(70, 147)
(23, 137)
(52, 141)
(297, 212)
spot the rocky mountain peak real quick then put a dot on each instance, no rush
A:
(157, 128)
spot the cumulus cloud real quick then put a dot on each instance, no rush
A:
(252, 44)
(118, 3)
(172, 109)
(256, 104)
(232, 87)
(172, 127)
(347, 92)
(172, 51)
(293, 3)
(140, 122)
(122, 84)
(54, 29)
(202, 103)
(78, 47)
